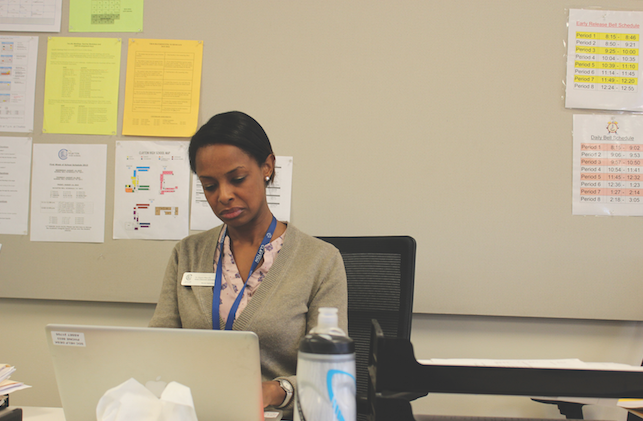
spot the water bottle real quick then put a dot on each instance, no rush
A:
(326, 373)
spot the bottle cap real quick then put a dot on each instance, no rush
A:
(327, 322)
(327, 318)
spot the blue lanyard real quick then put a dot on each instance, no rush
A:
(216, 292)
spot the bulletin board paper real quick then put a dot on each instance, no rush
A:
(603, 61)
(81, 85)
(162, 88)
(151, 192)
(608, 165)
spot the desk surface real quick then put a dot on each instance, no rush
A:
(32, 413)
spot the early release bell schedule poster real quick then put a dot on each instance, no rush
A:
(608, 165)
(603, 62)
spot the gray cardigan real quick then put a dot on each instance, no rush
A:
(307, 274)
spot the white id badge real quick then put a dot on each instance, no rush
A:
(197, 279)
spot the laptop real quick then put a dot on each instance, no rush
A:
(221, 368)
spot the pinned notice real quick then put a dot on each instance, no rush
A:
(162, 88)
(603, 61)
(608, 165)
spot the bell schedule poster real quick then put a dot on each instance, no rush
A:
(608, 165)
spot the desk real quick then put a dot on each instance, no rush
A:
(34, 413)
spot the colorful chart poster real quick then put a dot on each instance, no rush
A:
(18, 58)
(81, 85)
(30, 15)
(162, 88)
(603, 61)
(105, 15)
(68, 193)
(279, 195)
(608, 165)
(151, 190)
(15, 168)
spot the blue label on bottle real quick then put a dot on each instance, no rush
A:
(331, 393)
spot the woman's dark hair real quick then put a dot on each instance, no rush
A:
(233, 128)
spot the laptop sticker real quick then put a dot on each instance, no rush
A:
(68, 338)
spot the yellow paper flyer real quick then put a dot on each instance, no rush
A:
(162, 87)
(106, 16)
(81, 85)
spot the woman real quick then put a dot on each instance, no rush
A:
(280, 296)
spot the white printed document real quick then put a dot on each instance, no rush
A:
(18, 58)
(608, 165)
(68, 193)
(151, 190)
(603, 60)
(566, 363)
(30, 15)
(15, 172)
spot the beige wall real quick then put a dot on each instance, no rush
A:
(23, 344)
(442, 120)
(392, 133)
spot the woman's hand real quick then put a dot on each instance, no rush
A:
(273, 394)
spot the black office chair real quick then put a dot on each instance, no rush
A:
(380, 273)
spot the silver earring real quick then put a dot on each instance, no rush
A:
(267, 178)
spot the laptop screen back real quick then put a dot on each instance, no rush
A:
(221, 368)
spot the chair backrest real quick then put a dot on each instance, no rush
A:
(380, 273)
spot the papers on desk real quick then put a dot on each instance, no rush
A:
(5, 371)
(7, 386)
(635, 406)
(567, 364)
(631, 404)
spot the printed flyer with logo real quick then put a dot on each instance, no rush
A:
(608, 165)
(68, 193)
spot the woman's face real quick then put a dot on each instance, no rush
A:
(233, 183)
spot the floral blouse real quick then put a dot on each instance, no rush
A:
(232, 283)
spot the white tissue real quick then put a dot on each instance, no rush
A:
(133, 401)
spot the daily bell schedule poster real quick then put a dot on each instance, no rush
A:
(608, 165)
(603, 62)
